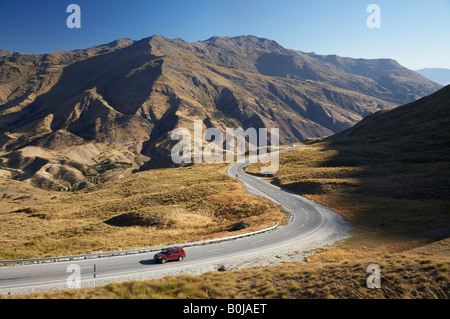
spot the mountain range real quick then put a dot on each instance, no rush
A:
(68, 119)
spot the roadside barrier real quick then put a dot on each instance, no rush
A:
(134, 251)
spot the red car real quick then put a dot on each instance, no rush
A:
(168, 254)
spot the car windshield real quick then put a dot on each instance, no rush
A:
(165, 251)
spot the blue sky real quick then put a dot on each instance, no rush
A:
(415, 32)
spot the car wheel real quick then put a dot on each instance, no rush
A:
(180, 258)
(163, 261)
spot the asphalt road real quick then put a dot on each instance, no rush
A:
(307, 218)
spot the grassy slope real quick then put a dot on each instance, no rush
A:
(395, 190)
(394, 202)
(421, 273)
(151, 208)
(400, 231)
(389, 175)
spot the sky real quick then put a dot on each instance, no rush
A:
(416, 33)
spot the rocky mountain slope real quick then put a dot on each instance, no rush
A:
(5, 52)
(422, 124)
(70, 119)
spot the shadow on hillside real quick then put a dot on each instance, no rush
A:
(377, 187)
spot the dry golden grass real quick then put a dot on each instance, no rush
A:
(400, 213)
(397, 199)
(157, 207)
(417, 274)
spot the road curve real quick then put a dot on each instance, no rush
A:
(308, 218)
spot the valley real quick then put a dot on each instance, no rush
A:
(85, 166)
(62, 112)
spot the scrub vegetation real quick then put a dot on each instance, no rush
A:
(152, 208)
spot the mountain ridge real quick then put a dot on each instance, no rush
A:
(119, 102)
(425, 120)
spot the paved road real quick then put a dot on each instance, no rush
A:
(307, 218)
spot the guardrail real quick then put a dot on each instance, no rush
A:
(140, 251)
(134, 251)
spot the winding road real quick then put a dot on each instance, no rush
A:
(308, 220)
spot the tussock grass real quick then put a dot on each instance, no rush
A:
(399, 208)
(396, 200)
(152, 208)
(417, 274)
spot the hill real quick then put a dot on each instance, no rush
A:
(389, 176)
(421, 124)
(114, 106)
(4, 52)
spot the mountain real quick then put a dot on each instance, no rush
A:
(421, 126)
(438, 75)
(5, 52)
(70, 119)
